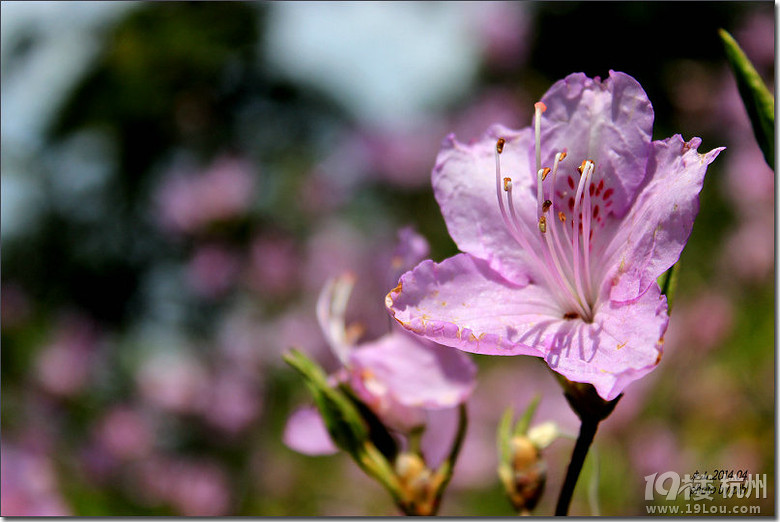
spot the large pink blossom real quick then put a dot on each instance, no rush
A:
(565, 227)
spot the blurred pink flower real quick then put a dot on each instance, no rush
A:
(173, 381)
(403, 157)
(398, 376)
(233, 401)
(212, 270)
(504, 30)
(63, 366)
(749, 181)
(28, 484)
(222, 192)
(125, 433)
(192, 487)
(748, 252)
(756, 36)
(700, 323)
(200, 489)
(501, 105)
(305, 432)
(654, 448)
(274, 265)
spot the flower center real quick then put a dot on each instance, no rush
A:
(564, 248)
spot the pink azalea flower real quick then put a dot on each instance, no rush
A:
(399, 376)
(561, 262)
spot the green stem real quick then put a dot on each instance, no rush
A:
(584, 440)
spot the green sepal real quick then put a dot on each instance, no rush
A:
(525, 421)
(346, 425)
(342, 418)
(758, 101)
(585, 401)
(504, 434)
(378, 433)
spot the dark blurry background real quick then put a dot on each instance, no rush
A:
(180, 179)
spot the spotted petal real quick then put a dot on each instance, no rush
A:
(463, 303)
(609, 122)
(400, 376)
(650, 239)
(464, 183)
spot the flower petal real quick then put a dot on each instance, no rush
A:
(609, 122)
(622, 344)
(331, 307)
(462, 302)
(305, 433)
(399, 372)
(464, 183)
(650, 239)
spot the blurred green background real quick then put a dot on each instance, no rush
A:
(179, 180)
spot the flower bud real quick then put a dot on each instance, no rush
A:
(525, 480)
(417, 483)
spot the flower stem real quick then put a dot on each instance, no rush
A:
(587, 433)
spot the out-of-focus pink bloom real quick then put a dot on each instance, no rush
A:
(494, 105)
(339, 247)
(173, 381)
(403, 157)
(234, 401)
(756, 36)
(399, 377)
(410, 250)
(125, 433)
(573, 282)
(63, 366)
(28, 484)
(750, 182)
(702, 323)
(274, 266)
(748, 252)
(192, 487)
(504, 29)
(655, 449)
(223, 192)
(333, 181)
(14, 306)
(306, 433)
(200, 489)
(212, 270)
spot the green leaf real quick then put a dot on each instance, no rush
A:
(525, 421)
(758, 101)
(504, 433)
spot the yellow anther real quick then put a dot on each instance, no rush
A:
(500, 145)
(542, 224)
(507, 184)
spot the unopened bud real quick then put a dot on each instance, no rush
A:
(418, 484)
(525, 482)
(542, 435)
